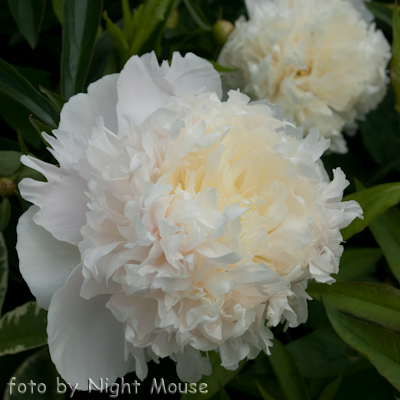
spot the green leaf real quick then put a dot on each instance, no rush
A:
(222, 392)
(16, 115)
(395, 63)
(198, 15)
(5, 213)
(58, 6)
(383, 145)
(119, 41)
(221, 68)
(381, 11)
(264, 394)
(287, 372)
(357, 261)
(323, 354)
(375, 302)
(40, 127)
(379, 345)
(128, 28)
(81, 20)
(57, 100)
(387, 234)
(28, 14)
(330, 391)
(144, 31)
(260, 366)
(37, 368)
(103, 51)
(21, 142)
(374, 201)
(23, 328)
(18, 88)
(386, 231)
(3, 270)
(220, 375)
(9, 163)
(149, 21)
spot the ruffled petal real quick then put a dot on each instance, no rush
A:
(45, 262)
(191, 366)
(84, 338)
(359, 5)
(144, 85)
(79, 115)
(62, 200)
(193, 74)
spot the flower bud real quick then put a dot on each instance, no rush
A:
(7, 187)
(221, 31)
(172, 20)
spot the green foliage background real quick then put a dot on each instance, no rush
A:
(350, 346)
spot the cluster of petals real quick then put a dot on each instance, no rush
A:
(175, 224)
(323, 61)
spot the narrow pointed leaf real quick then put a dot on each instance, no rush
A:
(128, 28)
(149, 21)
(40, 128)
(58, 6)
(380, 346)
(23, 328)
(5, 212)
(81, 20)
(264, 394)
(22, 145)
(375, 302)
(39, 368)
(28, 14)
(395, 63)
(220, 68)
(57, 100)
(198, 15)
(381, 11)
(374, 201)
(120, 44)
(287, 373)
(330, 391)
(219, 376)
(18, 88)
(3, 270)
(386, 231)
(357, 261)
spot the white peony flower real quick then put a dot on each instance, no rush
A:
(175, 224)
(318, 59)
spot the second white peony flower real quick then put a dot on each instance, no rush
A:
(175, 223)
(321, 60)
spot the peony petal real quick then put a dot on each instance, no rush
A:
(190, 367)
(193, 74)
(79, 114)
(45, 262)
(144, 85)
(359, 5)
(62, 200)
(85, 339)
